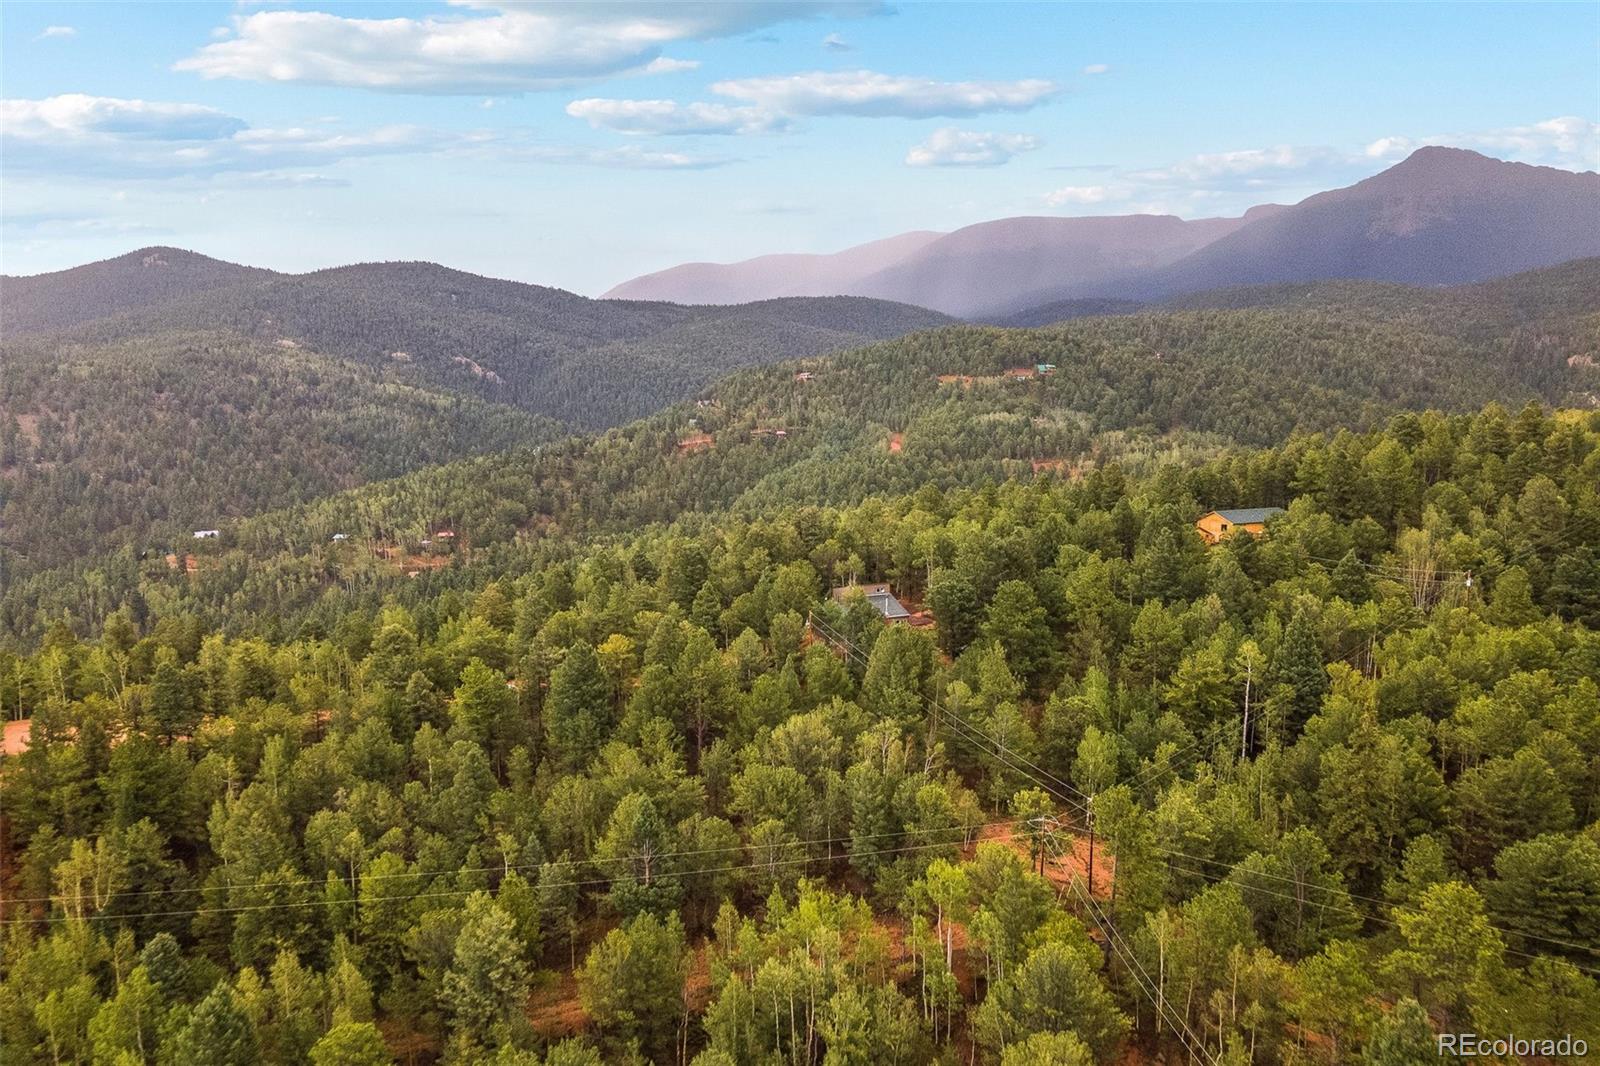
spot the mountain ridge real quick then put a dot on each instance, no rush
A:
(1440, 216)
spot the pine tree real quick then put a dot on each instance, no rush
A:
(577, 709)
(1512, 601)
(1350, 581)
(954, 603)
(1401, 1038)
(482, 705)
(486, 986)
(351, 1044)
(219, 1032)
(1298, 664)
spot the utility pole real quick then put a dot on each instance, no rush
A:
(1089, 810)
(1244, 732)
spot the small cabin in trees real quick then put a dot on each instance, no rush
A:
(207, 534)
(879, 595)
(1213, 526)
(804, 375)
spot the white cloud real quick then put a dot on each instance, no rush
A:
(967, 148)
(1096, 68)
(833, 42)
(1083, 194)
(104, 137)
(671, 117)
(56, 32)
(56, 225)
(1212, 166)
(79, 116)
(1389, 147)
(1566, 141)
(625, 157)
(772, 103)
(502, 47)
(869, 94)
(665, 65)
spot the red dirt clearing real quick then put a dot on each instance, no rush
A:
(17, 733)
(1060, 870)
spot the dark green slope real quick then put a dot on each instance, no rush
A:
(149, 276)
(591, 363)
(197, 398)
(1128, 388)
(144, 440)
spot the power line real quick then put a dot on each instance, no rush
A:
(456, 893)
(1211, 877)
(497, 868)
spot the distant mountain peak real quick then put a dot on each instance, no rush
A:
(140, 278)
(1440, 216)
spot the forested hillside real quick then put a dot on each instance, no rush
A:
(626, 805)
(143, 441)
(67, 298)
(191, 392)
(879, 419)
(590, 363)
(1558, 300)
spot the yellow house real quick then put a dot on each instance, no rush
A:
(1215, 525)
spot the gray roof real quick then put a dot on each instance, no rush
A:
(887, 605)
(878, 595)
(1244, 516)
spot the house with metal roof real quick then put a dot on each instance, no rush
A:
(879, 595)
(1213, 526)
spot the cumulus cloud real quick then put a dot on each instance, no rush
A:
(1244, 164)
(950, 147)
(672, 117)
(56, 32)
(105, 137)
(768, 104)
(77, 116)
(1096, 68)
(1566, 141)
(833, 42)
(1083, 195)
(501, 47)
(1233, 180)
(870, 94)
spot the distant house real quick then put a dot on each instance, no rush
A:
(878, 595)
(1215, 525)
(445, 534)
(1044, 368)
(207, 534)
(340, 537)
(804, 375)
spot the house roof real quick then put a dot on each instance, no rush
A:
(1247, 516)
(878, 595)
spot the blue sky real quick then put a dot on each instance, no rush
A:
(579, 145)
